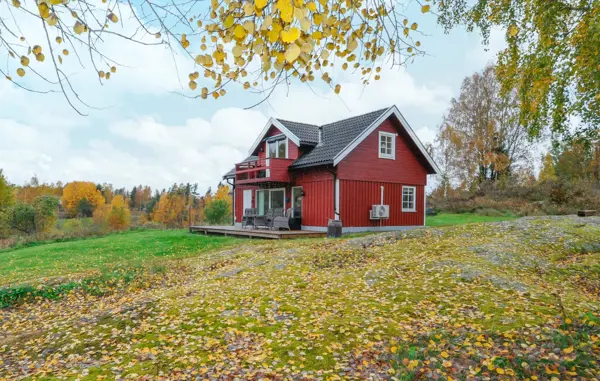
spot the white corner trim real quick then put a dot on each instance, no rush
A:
(393, 154)
(391, 111)
(280, 127)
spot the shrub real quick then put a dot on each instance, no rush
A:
(72, 225)
(217, 212)
(22, 218)
(490, 212)
(46, 208)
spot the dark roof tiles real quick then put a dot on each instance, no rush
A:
(335, 137)
(307, 133)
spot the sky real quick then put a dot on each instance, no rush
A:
(143, 131)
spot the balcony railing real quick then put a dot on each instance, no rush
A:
(263, 170)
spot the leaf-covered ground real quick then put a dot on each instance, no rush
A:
(507, 300)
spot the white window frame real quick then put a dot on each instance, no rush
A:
(414, 208)
(287, 152)
(392, 136)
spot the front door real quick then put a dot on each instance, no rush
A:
(247, 199)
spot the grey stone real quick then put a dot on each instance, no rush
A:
(230, 273)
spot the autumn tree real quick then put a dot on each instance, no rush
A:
(77, 193)
(170, 210)
(113, 216)
(34, 188)
(481, 137)
(6, 192)
(552, 57)
(547, 172)
(218, 207)
(575, 161)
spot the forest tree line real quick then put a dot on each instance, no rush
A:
(36, 207)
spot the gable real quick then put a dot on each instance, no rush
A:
(403, 128)
(273, 123)
(364, 163)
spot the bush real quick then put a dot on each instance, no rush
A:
(490, 212)
(548, 197)
(217, 212)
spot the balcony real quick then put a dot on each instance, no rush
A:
(257, 171)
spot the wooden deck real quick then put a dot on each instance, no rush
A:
(256, 233)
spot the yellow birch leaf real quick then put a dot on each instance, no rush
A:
(20, 72)
(25, 61)
(237, 50)
(513, 30)
(414, 26)
(292, 52)
(352, 45)
(260, 4)
(193, 85)
(239, 32)
(249, 26)
(228, 22)
(52, 20)
(425, 8)
(290, 36)
(78, 28)
(44, 10)
(312, 6)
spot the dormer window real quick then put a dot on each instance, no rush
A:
(277, 148)
(387, 145)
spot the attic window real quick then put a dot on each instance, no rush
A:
(277, 149)
(387, 145)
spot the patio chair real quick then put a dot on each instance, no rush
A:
(271, 214)
(249, 216)
(283, 222)
(260, 222)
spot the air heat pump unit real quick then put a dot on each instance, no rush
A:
(380, 211)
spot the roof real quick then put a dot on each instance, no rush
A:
(307, 133)
(339, 138)
(335, 137)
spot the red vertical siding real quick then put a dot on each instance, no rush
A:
(317, 203)
(357, 197)
(292, 150)
(239, 200)
(363, 163)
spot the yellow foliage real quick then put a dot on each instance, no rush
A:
(75, 191)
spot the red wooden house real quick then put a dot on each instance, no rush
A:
(369, 171)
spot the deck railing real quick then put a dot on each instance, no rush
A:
(262, 169)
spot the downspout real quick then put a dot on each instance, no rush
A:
(233, 203)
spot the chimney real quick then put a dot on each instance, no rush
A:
(320, 134)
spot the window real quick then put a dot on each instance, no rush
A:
(387, 145)
(409, 199)
(277, 198)
(277, 149)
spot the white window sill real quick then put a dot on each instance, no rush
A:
(387, 157)
(408, 210)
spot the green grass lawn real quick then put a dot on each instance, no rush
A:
(133, 248)
(447, 219)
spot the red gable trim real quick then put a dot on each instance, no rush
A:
(280, 127)
(391, 111)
